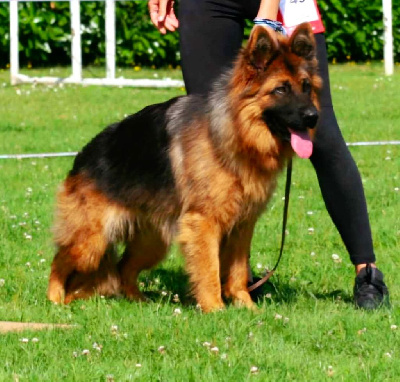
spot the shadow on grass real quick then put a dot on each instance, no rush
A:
(177, 282)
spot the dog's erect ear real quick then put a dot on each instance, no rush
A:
(302, 42)
(261, 47)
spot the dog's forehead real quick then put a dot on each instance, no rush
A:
(290, 66)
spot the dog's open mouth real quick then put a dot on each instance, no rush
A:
(301, 143)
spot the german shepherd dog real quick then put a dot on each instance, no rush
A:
(200, 169)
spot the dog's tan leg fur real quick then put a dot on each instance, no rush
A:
(199, 237)
(235, 251)
(79, 233)
(144, 251)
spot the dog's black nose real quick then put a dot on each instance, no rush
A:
(309, 117)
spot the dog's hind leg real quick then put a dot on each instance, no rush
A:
(144, 251)
(83, 256)
(199, 237)
(235, 251)
(104, 281)
(61, 268)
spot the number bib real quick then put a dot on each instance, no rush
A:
(295, 12)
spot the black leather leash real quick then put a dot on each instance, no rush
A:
(284, 221)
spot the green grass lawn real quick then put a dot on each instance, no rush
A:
(306, 328)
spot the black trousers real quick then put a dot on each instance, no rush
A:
(211, 34)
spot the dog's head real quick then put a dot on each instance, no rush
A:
(280, 82)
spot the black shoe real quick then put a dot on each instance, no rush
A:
(370, 291)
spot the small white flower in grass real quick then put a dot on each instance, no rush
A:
(177, 312)
(2, 282)
(138, 365)
(24, 340)
(286, 320)
(259, 266)
(388, 158)
(330, 371)
(85, 352)
(393, 327)
(396, 189)
(268, 295)
(97, 347)
(28, 264)
(114, 329)
(224, 356)
(176, 298)
(214, 349)
(278, 316)
(310, 213)
(125, 335)
(161, 349)
(301, 197)
(312, 254)
(388, 355)
(75, 354)
(141, 284)
(164, 293)
(42, 260)
(310, 230)
(34, 339)
(206, 344)
(250, 335)
(254, 370)
(18, 92)
(27, 236)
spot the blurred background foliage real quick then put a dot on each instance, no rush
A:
(354, 31)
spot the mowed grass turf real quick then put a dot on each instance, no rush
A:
(306, 328)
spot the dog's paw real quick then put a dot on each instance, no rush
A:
(243, 299)
(56, 294)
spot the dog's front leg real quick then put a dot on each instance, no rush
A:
(199, 237)
(235, 250)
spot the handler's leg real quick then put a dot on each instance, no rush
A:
(343, 194)
(211, 34)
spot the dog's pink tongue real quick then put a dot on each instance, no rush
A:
(301, 143)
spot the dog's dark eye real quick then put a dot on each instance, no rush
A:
(281, 90)
(306, 87)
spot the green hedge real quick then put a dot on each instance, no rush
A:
(354, 32)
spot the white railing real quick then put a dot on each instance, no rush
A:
(76, 53)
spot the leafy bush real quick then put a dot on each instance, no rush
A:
(45, 35)
(354, 31)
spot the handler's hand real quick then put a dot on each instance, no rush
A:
(162, 15)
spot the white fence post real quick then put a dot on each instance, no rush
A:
(110, 38)
(76, 52)
(388, 37)
(14, 43)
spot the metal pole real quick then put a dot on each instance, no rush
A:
(76, 53)
(110, 38)
(388, 37)
(14, 43)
